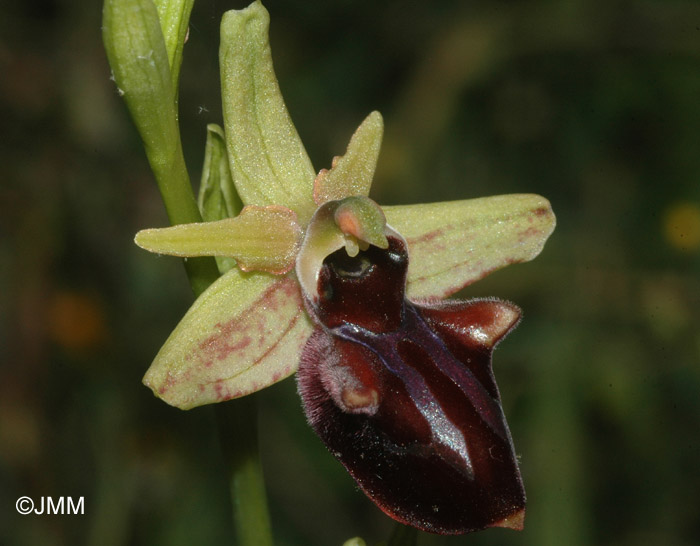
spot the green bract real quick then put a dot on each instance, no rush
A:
(247, 330)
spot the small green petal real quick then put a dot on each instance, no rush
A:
(268, 160)
(259, 238)
(174, 16)
(244, 333)
(352, 173)
(454, 244)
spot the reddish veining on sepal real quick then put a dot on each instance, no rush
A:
(219, 389)
(222, 350)
(250, 351)
(477, 270)
(452, 245)
(433, 242)
(427, 237)
(273, 346)
(228, 394)
(528, 233)
(169, 382)
(237, 334)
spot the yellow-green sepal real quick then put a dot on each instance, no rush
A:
(453, 244)
(268, 160)
(244, 333)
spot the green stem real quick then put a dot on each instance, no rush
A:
(176, 190)
(144, 48)
(237, 420)
(238, 432)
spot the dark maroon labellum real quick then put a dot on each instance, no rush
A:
(404, 396)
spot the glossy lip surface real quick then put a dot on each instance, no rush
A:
(403, 395)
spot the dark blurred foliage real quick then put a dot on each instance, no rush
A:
(593, 104)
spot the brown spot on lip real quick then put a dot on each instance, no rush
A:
(515, 521)
(357, 398)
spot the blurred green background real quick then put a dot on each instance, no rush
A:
(594, 104)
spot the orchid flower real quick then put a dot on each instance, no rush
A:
(318, 278)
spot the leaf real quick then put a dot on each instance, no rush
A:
(259, 238)
(268, 160)
(456, 243)
(352, 173)
(174, 16)
(244, 333)
(218, 198)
